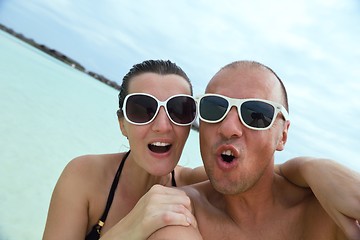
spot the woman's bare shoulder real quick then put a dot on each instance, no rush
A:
(86, 165)
(89, 171)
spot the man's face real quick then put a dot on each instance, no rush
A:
(236, 157)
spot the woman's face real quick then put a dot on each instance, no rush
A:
(157, 146)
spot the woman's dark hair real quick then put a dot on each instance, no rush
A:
(161, 67)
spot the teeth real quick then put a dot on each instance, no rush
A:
(160, 144)
(228, 153)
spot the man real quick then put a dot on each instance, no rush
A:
(243, 122)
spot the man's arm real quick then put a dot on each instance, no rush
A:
(335, 186)
(176, 233)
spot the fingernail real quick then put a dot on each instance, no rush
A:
(194, 223)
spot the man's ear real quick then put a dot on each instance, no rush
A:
(283, 137)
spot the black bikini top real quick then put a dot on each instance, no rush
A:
(94, 234)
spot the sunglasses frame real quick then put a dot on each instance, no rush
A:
(237, 102)
(159, 104)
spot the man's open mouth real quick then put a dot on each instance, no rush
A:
(227, 156)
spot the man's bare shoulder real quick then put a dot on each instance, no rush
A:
(289, 194)
(199, 192)
(206, 202)
(317, 223)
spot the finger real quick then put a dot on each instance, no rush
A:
(166, 190)
(353, 230)
(176, 218)
(165, 210)
(350, 226)
(181, 209)
(168, 219)
(164, 199)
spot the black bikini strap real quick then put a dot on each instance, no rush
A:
(113, 189)
(101, 222)
(173, 182)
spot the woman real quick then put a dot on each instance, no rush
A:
(156, 111)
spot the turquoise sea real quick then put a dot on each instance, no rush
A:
(50, 113)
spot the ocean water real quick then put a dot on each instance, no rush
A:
(50, 113)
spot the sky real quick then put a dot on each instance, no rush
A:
(313, 45)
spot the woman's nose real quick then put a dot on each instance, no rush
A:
(161, 123)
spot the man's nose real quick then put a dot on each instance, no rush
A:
(231, 126)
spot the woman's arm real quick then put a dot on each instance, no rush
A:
(159, 207)
(176, 233)
(336, 187)
(67, 215)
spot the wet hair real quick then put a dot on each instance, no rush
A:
(162, 67)
(260, 65)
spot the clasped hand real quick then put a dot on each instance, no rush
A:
(159, 207)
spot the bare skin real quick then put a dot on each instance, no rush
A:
(143, 201)
(80, 195)
(246, 199)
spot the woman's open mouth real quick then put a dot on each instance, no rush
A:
(159, 147)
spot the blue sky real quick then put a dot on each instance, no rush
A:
(313, 45)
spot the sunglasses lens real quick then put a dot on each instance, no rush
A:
(257, 114)
(181, 109)
(140, 108)
(213, 108)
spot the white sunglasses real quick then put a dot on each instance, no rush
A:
(256, 114)
(142, 108)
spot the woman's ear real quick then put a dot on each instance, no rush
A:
(122, 126)
(283, 137)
